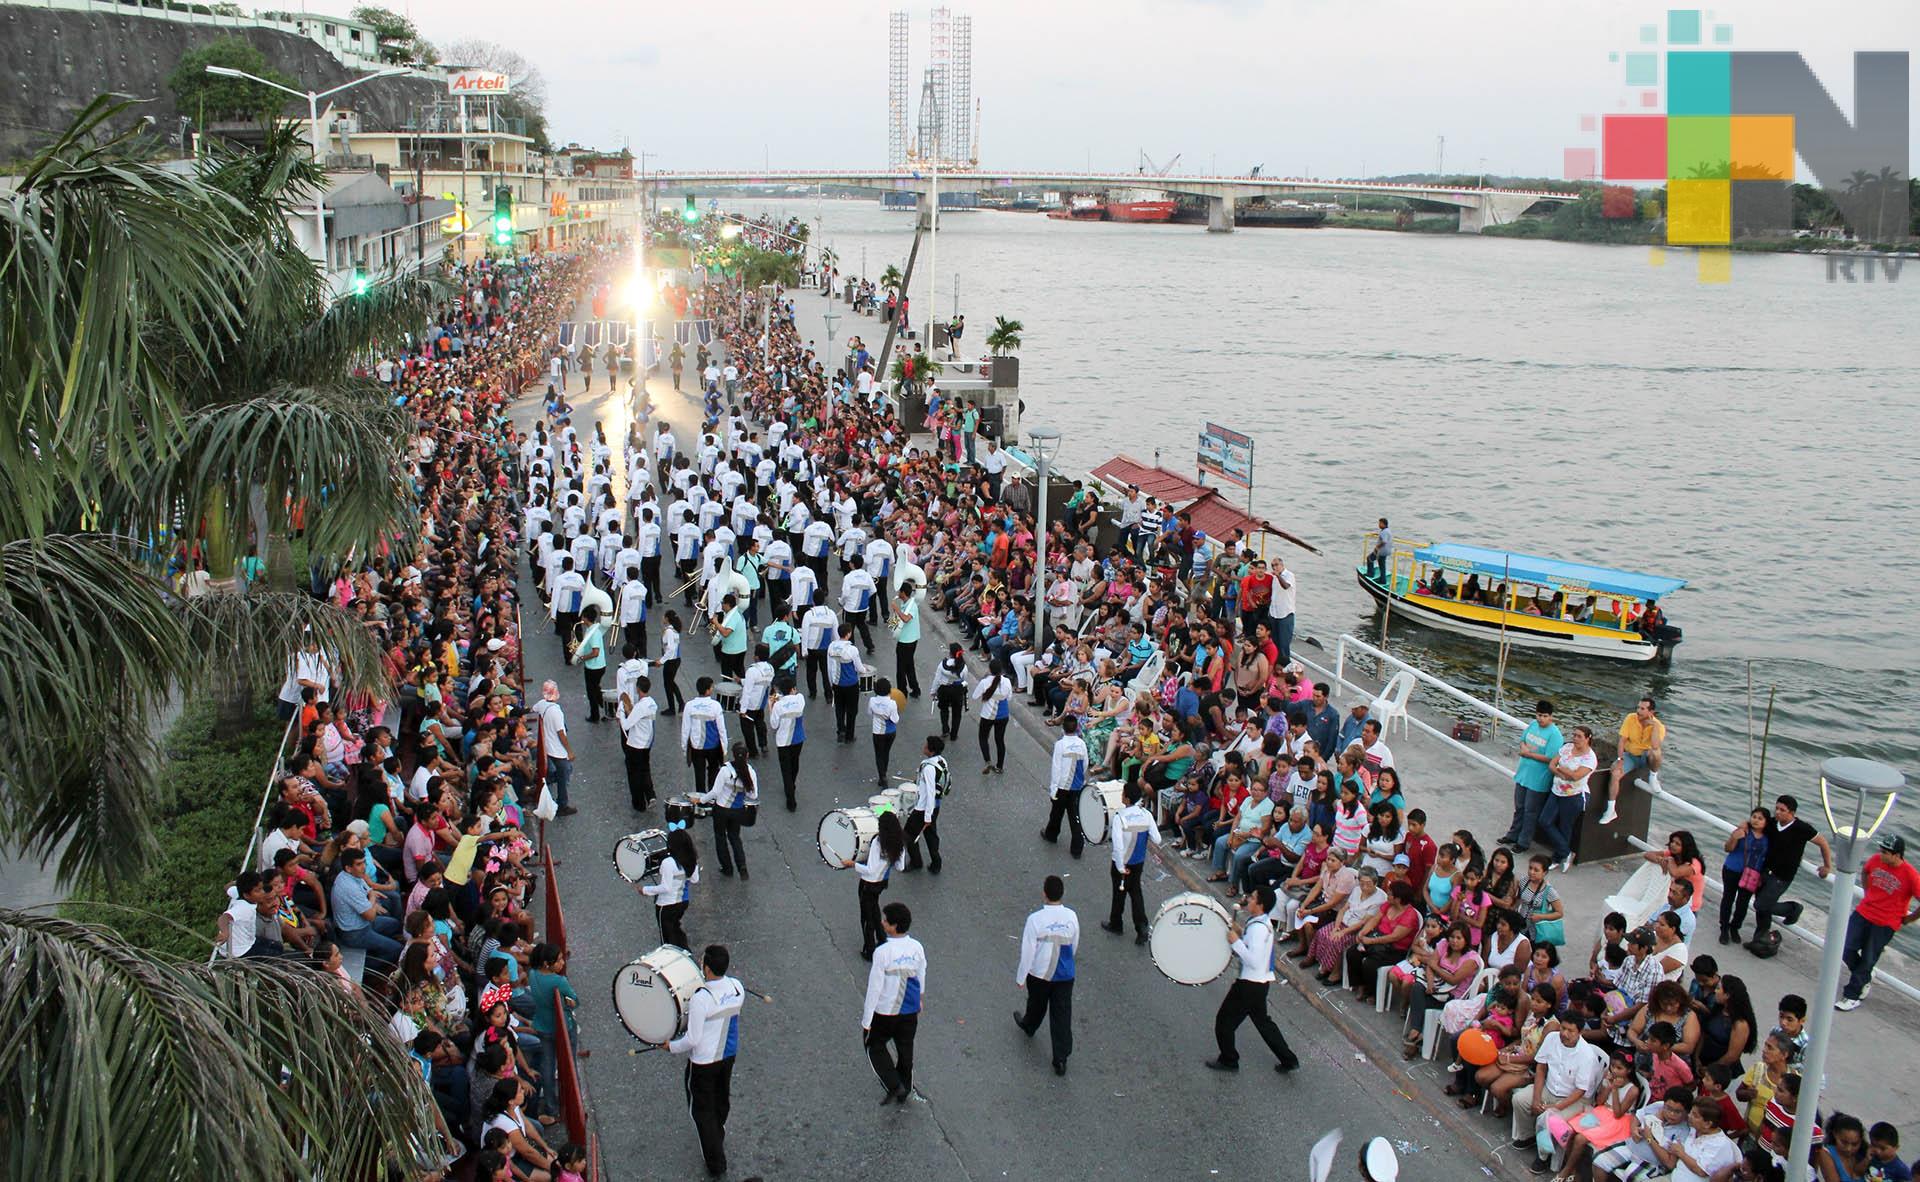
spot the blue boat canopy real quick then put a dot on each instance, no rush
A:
(1528, 568)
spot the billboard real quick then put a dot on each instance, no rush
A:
(478, 82)
(1227, 455)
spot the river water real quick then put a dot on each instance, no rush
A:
(1758, 438)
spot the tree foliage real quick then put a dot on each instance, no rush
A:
(400, 39)
(204, 97)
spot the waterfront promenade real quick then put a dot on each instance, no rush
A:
(1136, 1092)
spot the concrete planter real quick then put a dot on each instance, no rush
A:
(1004, 372)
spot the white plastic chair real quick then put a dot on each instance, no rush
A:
(1643, 896)
(1392, 703)
(1148, 679)
(354, 960)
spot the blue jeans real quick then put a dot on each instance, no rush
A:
(377, 939)
(1556, 822)
(1528, 804)
(1234, 862)
(1377, 567)
(559, 771)
(1283, 636)
(1866, 940)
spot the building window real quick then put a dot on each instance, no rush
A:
(354, 34)
(332, 31)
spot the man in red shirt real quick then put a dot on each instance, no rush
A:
(1890, 885)
(1256, 592)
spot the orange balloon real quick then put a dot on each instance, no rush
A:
(1476, 1047)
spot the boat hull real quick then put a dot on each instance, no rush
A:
(1522, 631)
(1139, 211)
(1094, 214)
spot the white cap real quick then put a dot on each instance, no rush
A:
(1378, 1162)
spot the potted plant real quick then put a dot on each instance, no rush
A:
(1003, 341)
(925, 369)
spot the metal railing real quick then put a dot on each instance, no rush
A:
(573, 1104)
(259, 815)
(1337, 680)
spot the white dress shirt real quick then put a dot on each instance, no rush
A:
(1255, 950)
(636, 725)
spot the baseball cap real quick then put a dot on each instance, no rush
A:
(1402, 860)
(1893, 843)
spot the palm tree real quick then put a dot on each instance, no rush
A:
(170, 364)
(124, 1066)
(890, 278)
(1004, 338)
(925, 369)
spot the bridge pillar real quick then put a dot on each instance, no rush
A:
(1492, 209)
(928, 210)
(1219, 215)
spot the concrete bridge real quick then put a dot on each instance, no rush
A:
(1479, 207)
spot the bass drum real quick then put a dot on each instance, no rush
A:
(1189, 939)
(1098, 803)
(845, 833)
(652, 994)
(637, 856)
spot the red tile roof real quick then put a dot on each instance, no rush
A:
(1210, 511)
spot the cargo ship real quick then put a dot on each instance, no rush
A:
(1139, 205)
(1079, 209)
(1256, 214)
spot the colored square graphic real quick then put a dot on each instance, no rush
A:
(1699, 213)
(1643, 69)
(1683, 26)
(1715, 266)
(1580, 164)
(1762, 148)
(1650, 99)
(1723, 34)
(1700, 83)
(1698, 148)
(1649, 34)
(1633, 147)
(1589, 124)
(1617, 201)
(1762, 209)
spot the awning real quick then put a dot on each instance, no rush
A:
(1551, 572)
(1209, 511)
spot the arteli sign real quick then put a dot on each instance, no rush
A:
(478, 82)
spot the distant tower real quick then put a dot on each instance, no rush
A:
(927, 147)
(961, 151)
(897, 50)
(940, 72)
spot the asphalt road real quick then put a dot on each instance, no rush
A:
(1136, 1101)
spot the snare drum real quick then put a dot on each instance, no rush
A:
(1189, 939)
(844, 834)
(1098, 803)
(891, 798)
(637, 856)
(652, 994)
(866, 681)
(681, 810)
(728, 693)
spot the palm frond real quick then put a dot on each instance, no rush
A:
(120, 1065)
(326, 345)
(251, 636)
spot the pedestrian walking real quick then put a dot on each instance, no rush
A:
(1133, 831)
(710, 1044)
(1048, 946)
(930, 784)
(950, 691)
(788, 715)
(1889, 885)
(1065, 784)
(896, 991)
(636, 716)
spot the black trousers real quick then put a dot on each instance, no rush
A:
(846, 700)
(1765, 901)
(753, 729)
(706, 765)
(817, 672)
(650, 575)
(1054, 1000)
(905, 677)
(670, 930)
(952, 700)
(733, 666)
(778, 592)
(862, 627)
(871, 934)
(1248, 999)
(668, 671)
(637, 636)
(882, 749)
(997, 727)
(917, 827)
(639, 776)
(726, 839)
(789, 771)
(709, 1099)
(594, 678)
(1067, 805)
(563, 623)
(1126, 886)
(894, 1069)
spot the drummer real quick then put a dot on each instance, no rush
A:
(679, 871)
(885, 854)
(930, 782)
(710, 1044)
(1247, 996)
(1133, 831)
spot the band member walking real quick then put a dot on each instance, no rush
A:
(670, 662)
(930, 783)
(1047, 949)
(703, 732)
(906, 638)
(950, 691)
(885, 854)
(1133, 831)
(995, 695)
(789, 712)
(636, 715)
(756, 688)
(896, 990)
(843, 670)
(679, 873)
(710, 1044)
(591, 655)
(633, 610)
(1247, 996)
(886, 725)
(735, 790)
(1064, 785)
(817, 631)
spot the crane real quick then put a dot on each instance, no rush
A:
(1147, 165)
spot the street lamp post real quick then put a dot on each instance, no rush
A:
(1865, 785)
(313, 98)
(832, 319)
(1046, 443)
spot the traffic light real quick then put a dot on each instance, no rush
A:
(361, 283)
(690, 212)
(503, 216)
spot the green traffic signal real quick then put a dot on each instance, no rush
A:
(690, 212)
(503, 216)
(361, 283)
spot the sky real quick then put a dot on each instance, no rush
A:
(1323, 88)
